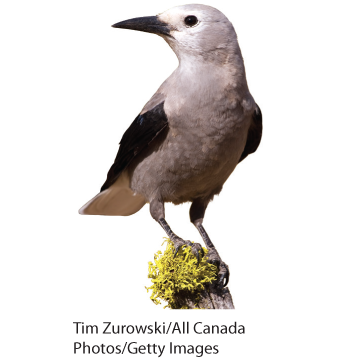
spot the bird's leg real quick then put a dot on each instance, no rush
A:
(157, 212)
(178, 242)
(214, 257)
(197, 211)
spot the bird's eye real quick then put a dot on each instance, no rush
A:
(191, 20)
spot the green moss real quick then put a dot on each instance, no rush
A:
(180, 277)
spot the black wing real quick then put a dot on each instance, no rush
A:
(254, 135)
(137, 137)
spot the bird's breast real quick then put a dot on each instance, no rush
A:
(208, 140)
(206, 136)
(212, 127)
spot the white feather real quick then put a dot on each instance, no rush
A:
(117, 200)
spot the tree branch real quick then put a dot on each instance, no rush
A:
(212, 297)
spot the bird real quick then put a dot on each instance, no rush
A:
(192, 133)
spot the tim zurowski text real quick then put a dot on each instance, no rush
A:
(163, 328)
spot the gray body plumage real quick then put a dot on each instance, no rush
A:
(193, 132)
(209, 117)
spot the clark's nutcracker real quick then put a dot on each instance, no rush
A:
(192, 133)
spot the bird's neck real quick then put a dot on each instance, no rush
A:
(225, 60)
(224, 69)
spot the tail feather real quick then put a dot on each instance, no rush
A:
(117, 200)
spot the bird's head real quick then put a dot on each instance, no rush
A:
(198, 31)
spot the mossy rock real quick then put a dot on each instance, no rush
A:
(179, 280)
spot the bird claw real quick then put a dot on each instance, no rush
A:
(223, 271)
(196, 248)
(198, 251)
(223, 275)
(213, 258)
(178, 243)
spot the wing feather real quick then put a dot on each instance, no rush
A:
(254, 134)
(138, 136)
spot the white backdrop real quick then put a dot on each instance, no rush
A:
(70, 87)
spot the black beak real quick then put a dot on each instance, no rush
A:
(148, 24)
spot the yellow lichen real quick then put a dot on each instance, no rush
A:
(177, 277)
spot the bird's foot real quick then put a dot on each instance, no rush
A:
(223, 271)
(196, 248)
